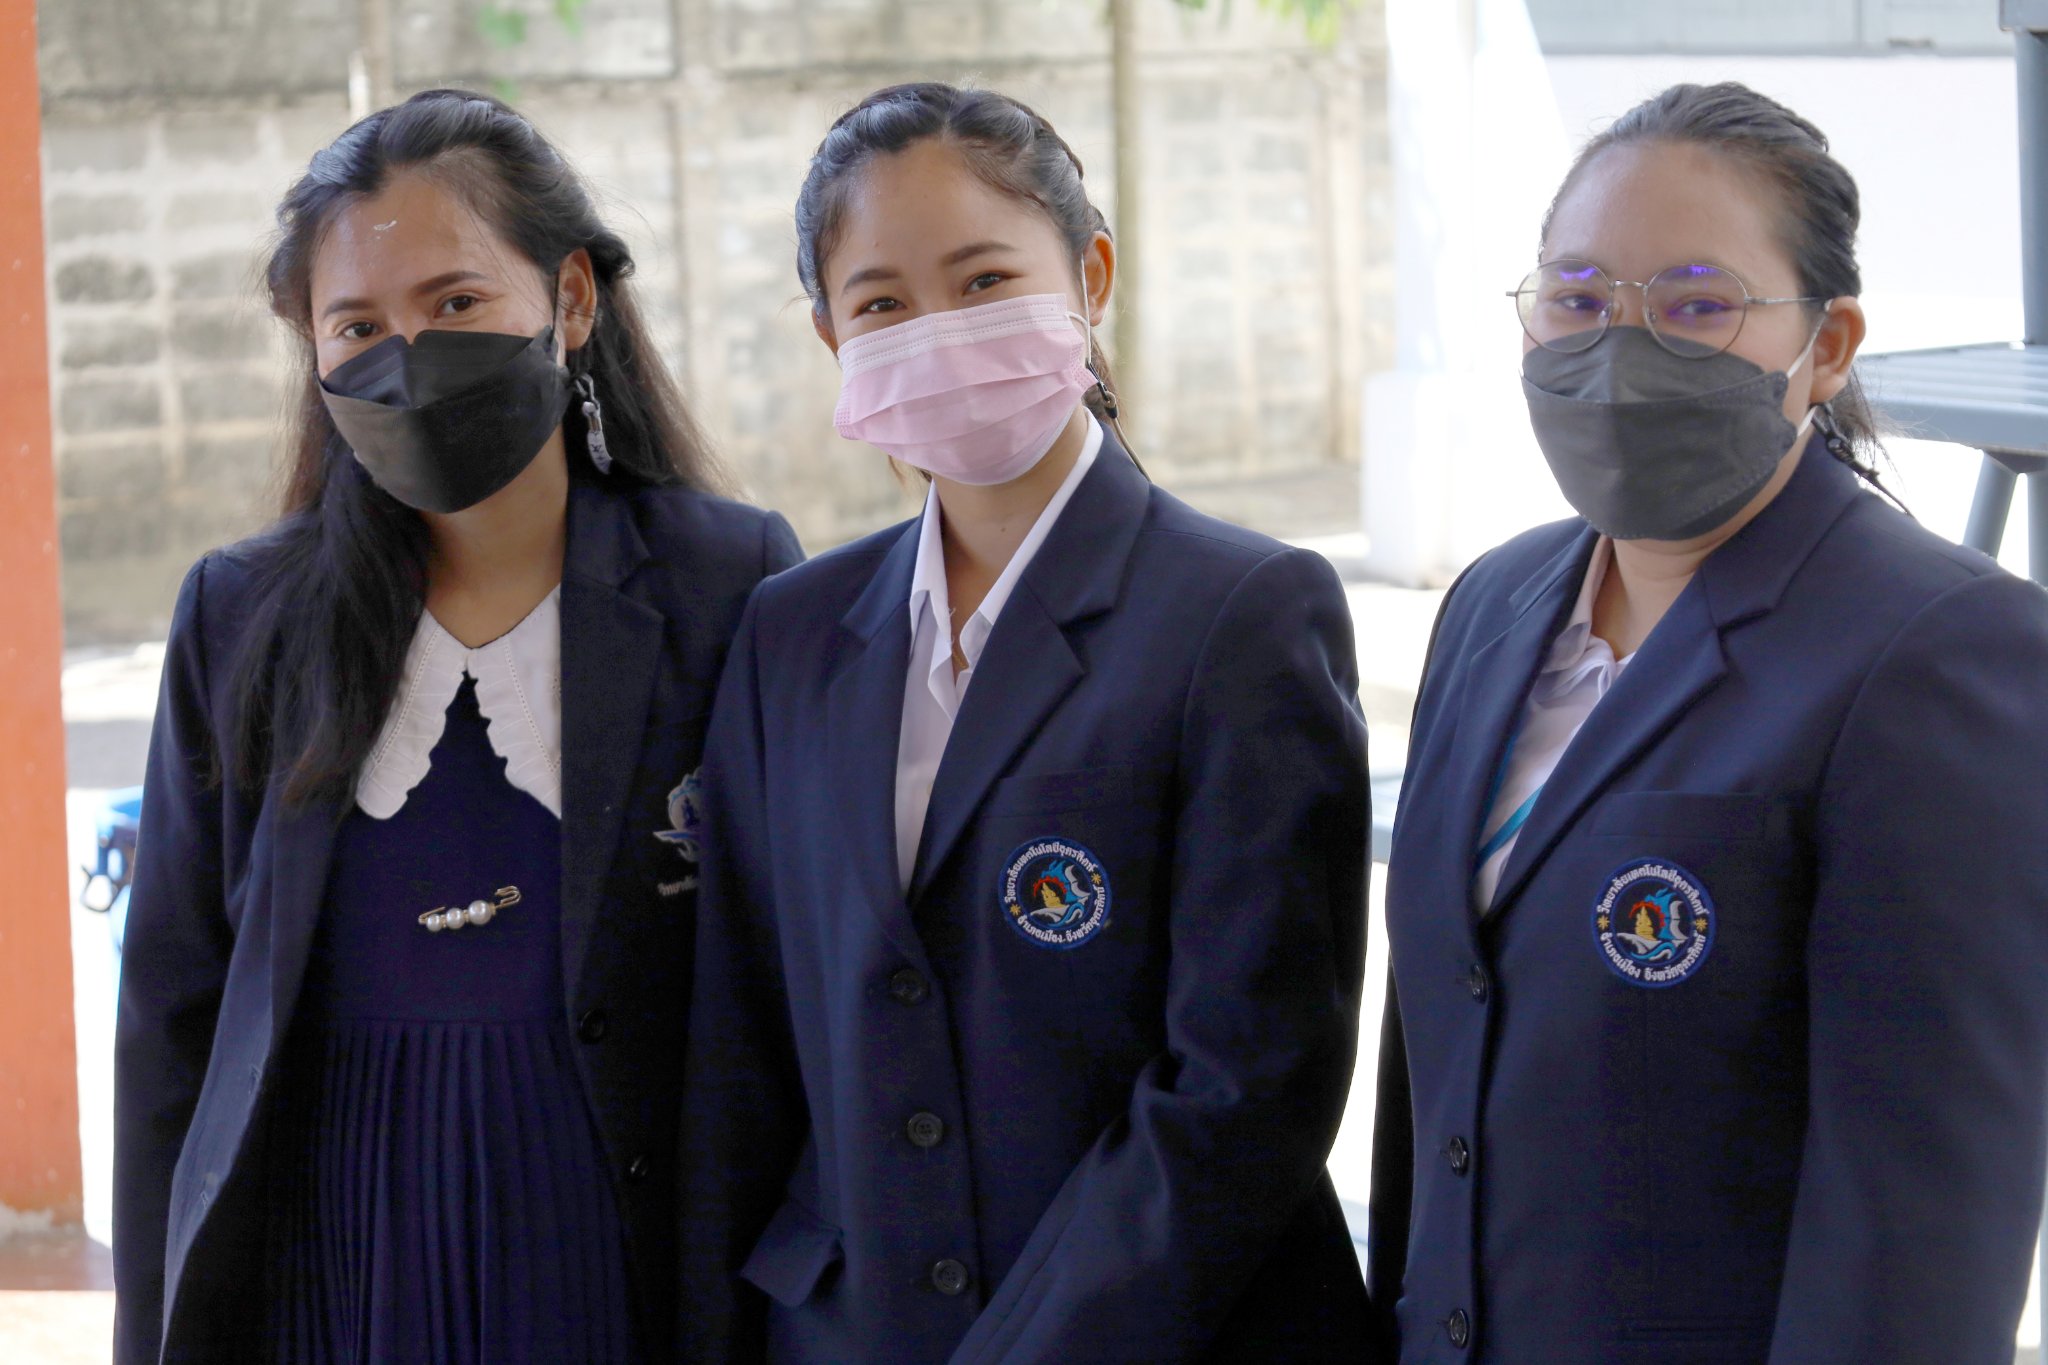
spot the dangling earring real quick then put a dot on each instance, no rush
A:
(593, 418)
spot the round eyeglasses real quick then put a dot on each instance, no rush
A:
(1693, 311)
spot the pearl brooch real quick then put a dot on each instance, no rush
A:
(476, 912)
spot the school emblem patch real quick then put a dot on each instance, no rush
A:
(1654, 923)
(1055, 893)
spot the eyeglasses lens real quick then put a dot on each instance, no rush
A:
(1564, 305)
(1695, 309)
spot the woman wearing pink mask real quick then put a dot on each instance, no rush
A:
(1028, 965)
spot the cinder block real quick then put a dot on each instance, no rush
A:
(88, 406)
(124, 341)
(217, 337)
(94, 146)
(129, 467)
(203, 138)
(72, 217)
(240, 466)
(220, 208)
(103, 279)
(229, 396)
(224, 275)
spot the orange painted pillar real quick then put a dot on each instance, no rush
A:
(39, 1158)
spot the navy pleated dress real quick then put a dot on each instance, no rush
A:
(437, 1188)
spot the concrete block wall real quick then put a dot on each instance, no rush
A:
(1267, 251)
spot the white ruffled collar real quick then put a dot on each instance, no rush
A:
(518, 689)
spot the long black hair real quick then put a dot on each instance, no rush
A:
(1004, 141)
(342, 573)
(1820, 212)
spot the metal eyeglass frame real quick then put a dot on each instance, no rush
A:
(1614, 285)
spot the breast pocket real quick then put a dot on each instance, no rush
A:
(1700, 816)
(1070, 859)
(1733, 866)
(1080, 789)
(1689, 912)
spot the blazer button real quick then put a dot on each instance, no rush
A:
(639, 1169)
(1476, 983)
(1459, 1155)
(590, 1028)
(926, 1130)
(1460, 1328)
(949, 1277)
(908, 986)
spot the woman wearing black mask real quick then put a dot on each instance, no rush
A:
(1718, 906)
(396, 1072)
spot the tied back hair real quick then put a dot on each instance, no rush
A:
(1820, 211)
(341, 575)
(1007, 144)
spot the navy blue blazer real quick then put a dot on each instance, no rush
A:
(921, 1131)
(228, 885)
(1801, 1119)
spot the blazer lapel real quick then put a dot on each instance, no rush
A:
(611, 652)
(1029, 664)
(1684, 655)
(1498, 678)
(1679, 661)
(864, 723)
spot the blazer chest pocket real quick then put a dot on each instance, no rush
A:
(1058, 793)
(1711, 816)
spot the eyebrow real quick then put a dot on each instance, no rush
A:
(951, 258)
(435, 285)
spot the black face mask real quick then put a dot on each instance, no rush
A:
(1650, 445)
(449, 419)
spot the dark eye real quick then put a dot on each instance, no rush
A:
(459, 303)
(880, 306)
(985, 281)
(1576, 303)
(1701, 309)
(358, 331)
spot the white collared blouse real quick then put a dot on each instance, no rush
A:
(518, 689)
(1576, 674)
(932, 693)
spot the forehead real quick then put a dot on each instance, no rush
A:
(903, 208)
(1637, 208)
(411, 229)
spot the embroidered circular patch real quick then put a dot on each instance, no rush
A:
(1055, 893)
(1654, 923)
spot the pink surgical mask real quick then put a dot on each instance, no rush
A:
(977, 395)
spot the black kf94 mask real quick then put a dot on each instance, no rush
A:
(446, 420)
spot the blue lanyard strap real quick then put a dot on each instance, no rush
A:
(1511, 826)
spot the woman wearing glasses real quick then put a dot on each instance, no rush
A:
(1719, 896)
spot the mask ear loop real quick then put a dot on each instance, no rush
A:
(1103, 394)
(1821, 416)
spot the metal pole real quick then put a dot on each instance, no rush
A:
(2031, 52)
(2037, 527)
(1990, 507)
